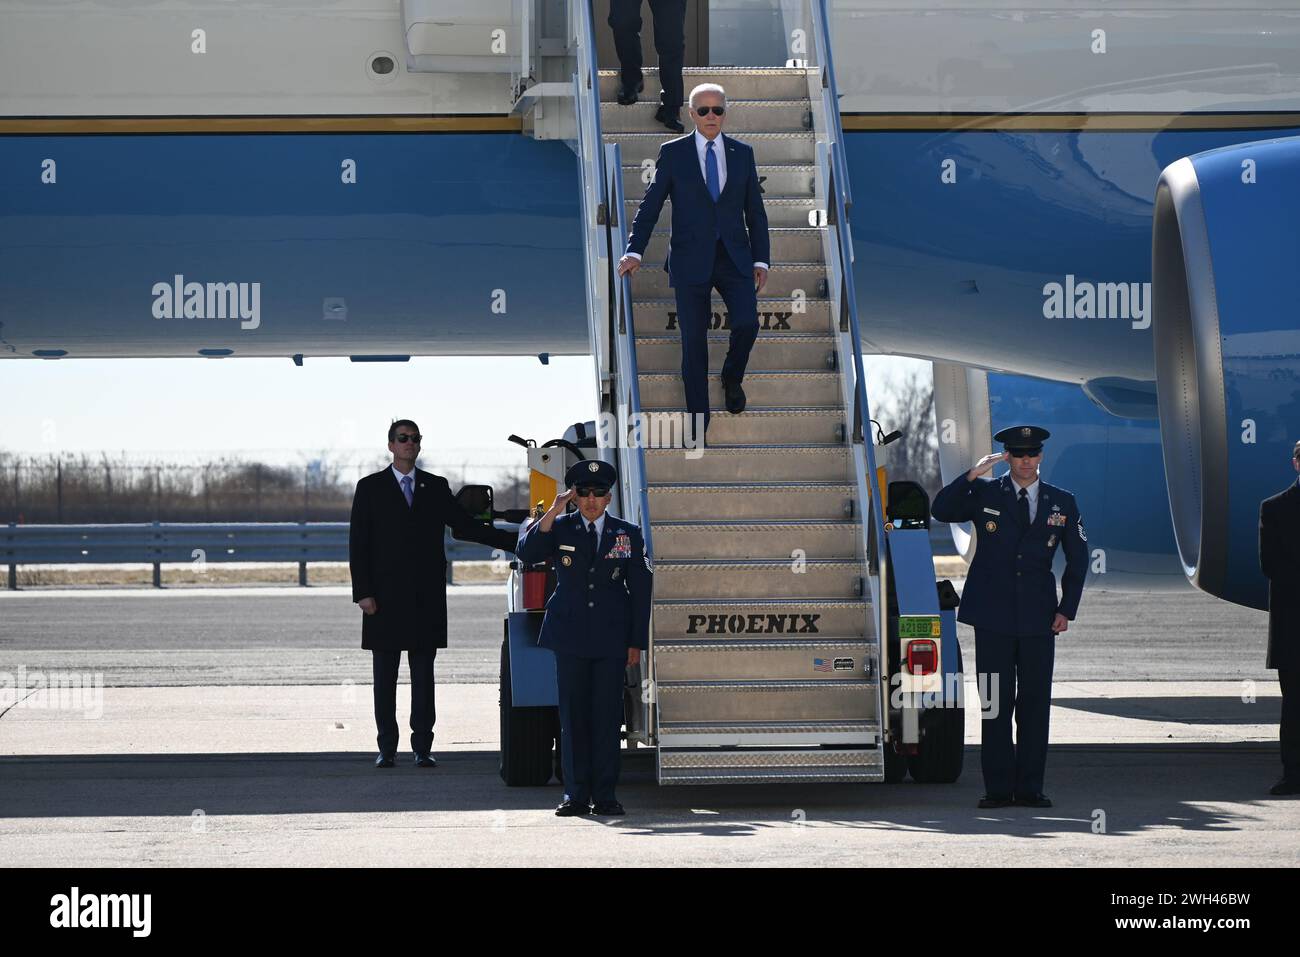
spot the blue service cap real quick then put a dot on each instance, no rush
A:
(594, 473)
(1023, 438)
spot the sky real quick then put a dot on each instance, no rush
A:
(190, 410)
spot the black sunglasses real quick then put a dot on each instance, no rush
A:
(705, 110)
(589, 491)
(402, 438)
(1023, 453)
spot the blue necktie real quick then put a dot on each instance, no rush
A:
(406, 490)
(711, 171)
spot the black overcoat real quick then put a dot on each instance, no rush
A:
(1279, 558)
(395, 555)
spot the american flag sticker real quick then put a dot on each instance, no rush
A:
(824, 665)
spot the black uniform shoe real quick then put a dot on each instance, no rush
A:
(425, 761)
(385, 760)
(1285, 785)
(735, 396)
(669, 119)
(572, 809)
(608, 809)
(991, 800)
(1035, 800)
(626, 95)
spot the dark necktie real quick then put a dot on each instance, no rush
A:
(1023, 505)
(591, 541)
(711, 172)
(406, 490)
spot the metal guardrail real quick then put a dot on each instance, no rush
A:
(178, 542)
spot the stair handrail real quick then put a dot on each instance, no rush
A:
(627, 395)
(839, 199)
(593, 187)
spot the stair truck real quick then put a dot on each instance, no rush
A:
(798, 703)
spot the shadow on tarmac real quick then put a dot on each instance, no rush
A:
(1184, 709)
(1114, 790)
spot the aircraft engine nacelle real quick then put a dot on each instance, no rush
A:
(1226, 328)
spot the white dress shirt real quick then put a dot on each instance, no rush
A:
(702, 149)
(720, 151)
(1032, 491)
(400, 476)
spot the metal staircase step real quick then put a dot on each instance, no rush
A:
(739, 82)
(789, 500)
(791, 541)
(791, 281)
(779, 179)
(825, 659)
(759, 426)
(743, 116)
(769, 388)
(767, 619)
(728, 702)
(788, 212)
(769, 148)
(658, 316)
(816, 353)
(720, 579)
(746, 766)
(745, 463)
(790, 246)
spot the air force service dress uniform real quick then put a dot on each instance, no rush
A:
(600, 608)
(1010, 600)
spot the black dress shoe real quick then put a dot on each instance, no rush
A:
(627, 96)
(385, 760)
(608, 809)
(572, 809)
(1285, 785)
(425, 761)
(1034, 800)
(994, 800)
(669, 119)
(735, 396)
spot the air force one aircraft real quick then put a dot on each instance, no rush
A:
(378, 179)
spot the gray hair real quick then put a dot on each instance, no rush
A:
(706, 88)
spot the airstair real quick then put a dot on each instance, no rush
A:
(766, 654)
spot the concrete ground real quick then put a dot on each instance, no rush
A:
(257, 749)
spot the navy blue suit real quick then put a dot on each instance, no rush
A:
(1010, 599)
(600, 608)
(712, 246)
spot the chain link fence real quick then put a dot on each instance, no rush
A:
(86, 489)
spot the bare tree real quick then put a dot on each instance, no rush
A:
(909, 407)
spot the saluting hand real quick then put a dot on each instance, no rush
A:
(986, 463)
(557, 508)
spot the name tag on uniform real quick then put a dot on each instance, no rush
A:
(568, 548)
(992, 511)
